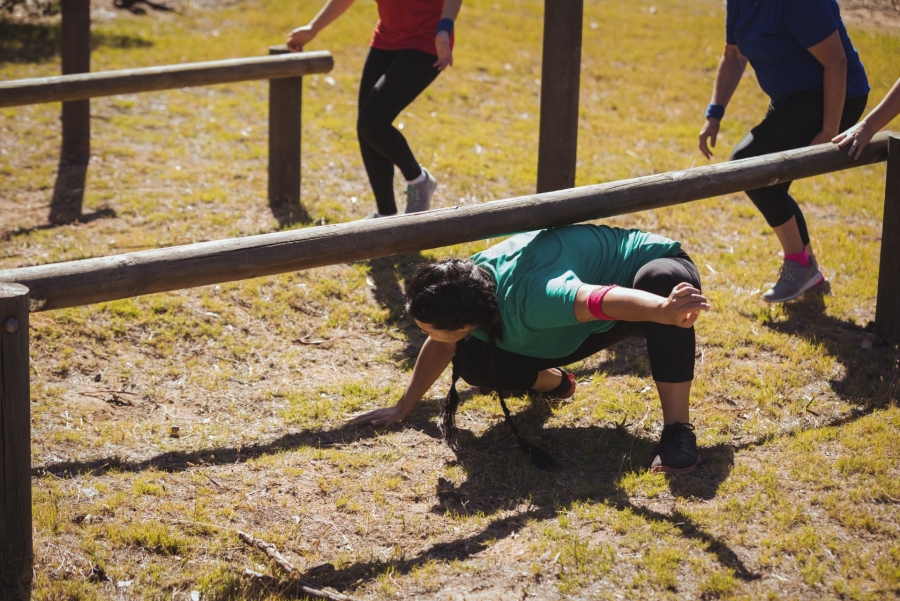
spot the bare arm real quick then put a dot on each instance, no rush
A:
(442, 38)
(830, 53)
(728, 76)
(303, 35)
(433, 359)
(681, 308)
(858, 136)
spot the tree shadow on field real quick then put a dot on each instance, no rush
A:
(869, 367)
(23, 42)
(388, 275)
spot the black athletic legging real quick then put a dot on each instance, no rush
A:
(792, 123)
(670, 348)
(391, 80)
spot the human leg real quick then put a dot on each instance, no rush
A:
(400, 80)
(498, 369)
(791, 124)
(378, 167)
(671, 350)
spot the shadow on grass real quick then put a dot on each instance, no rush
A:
(40, 42)
(388, 275)
(289, 214)
(593, 460)
(66, 203)
(868, 366)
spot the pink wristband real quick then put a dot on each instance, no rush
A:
(595, 303)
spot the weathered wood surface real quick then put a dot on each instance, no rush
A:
(560, 82)
(285, 97)
(129, 81)
(75, 53)
(89, 281)
(15, 445)
(887, 309)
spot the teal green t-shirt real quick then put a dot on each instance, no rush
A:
(539, 273)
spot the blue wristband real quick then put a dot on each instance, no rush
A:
(445, 25)
(715, 111)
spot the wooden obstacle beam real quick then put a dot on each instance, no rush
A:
(283, 70)
(131, 81)
(82, 282)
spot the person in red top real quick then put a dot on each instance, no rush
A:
(412, 44)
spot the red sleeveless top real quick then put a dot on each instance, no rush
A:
(404, 24)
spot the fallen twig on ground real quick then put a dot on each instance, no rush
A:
(297, 584)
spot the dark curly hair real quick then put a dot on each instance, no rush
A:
(450, 295)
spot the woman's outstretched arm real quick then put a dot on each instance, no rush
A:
(860, 134)
(681, 308)
(301, 36)
(433, 359)
(728, 76)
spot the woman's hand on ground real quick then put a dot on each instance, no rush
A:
(299, 38)
(709, 132)
(683, 306)
(378, 417)
(857, 137)
(444, 54)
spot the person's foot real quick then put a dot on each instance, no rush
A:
(566, 388)
(676, 452)
(418, 196)
(794, 280)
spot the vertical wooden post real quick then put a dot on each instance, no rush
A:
(284, 145)
(76, 58)
(887, 309)
(15, 445)
(68, 192)
(560, 79)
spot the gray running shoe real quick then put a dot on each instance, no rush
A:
(418, 196)
(794, 280)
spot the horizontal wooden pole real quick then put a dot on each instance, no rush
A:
(130, 81)
(87, 281)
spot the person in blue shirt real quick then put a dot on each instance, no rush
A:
(804, 61)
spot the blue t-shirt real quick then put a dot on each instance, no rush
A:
(774, 36)
(539, 273)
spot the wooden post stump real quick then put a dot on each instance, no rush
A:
(284, 146)
(560, 82)
(887, 309)
(15, 445)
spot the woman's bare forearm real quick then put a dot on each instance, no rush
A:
(432, 361)
(331, 11)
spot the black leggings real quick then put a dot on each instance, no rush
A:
(391, 80)
(670, 348)
(792, 123)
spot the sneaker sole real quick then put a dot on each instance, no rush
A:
(805, 287)
(673, 470)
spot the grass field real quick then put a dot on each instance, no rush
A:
(162, 425)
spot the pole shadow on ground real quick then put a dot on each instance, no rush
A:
(869, 366)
